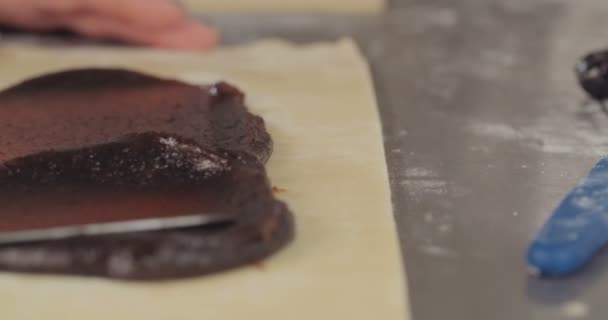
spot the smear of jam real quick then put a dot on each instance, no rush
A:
(96, 145)
(278, 190)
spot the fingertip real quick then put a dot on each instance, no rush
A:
(210, 39)
(153, 14)
(162, 14)
(190, 35)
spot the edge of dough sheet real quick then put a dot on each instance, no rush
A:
(286, 6)
(319, 105)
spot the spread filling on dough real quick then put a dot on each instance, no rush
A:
(107, 142)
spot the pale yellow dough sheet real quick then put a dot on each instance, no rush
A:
(286, 6)
(319, 106)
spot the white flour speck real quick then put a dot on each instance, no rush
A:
(437, 251)
(575, 309)
(444, 228)
(419, 173)
(533, 271)
(204, 165)
(421, 187)
(170, 142)
(484, 149)
(584, 202)
(496, 130)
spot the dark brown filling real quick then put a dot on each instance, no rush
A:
(105, 143)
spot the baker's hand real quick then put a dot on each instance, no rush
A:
(156, 23)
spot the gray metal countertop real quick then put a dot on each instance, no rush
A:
(485, 132)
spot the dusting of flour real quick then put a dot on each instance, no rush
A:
(560, 133)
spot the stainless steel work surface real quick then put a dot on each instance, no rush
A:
(485, 132)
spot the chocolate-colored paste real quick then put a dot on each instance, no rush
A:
(104, 142)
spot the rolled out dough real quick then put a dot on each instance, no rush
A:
(319, 106)
(285, 6)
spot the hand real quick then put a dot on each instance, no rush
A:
(155, 23)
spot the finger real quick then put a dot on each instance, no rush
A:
(185, 35)
(24, 14)
(57, 8)
(145, 13)
(102, 28)
(188, 35)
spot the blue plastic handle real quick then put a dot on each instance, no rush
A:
(577, 229)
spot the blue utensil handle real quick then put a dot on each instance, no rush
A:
(577, 229)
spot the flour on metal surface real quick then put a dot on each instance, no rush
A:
(575, 310)
(552, 134)
(437, 251)
(419, 172)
